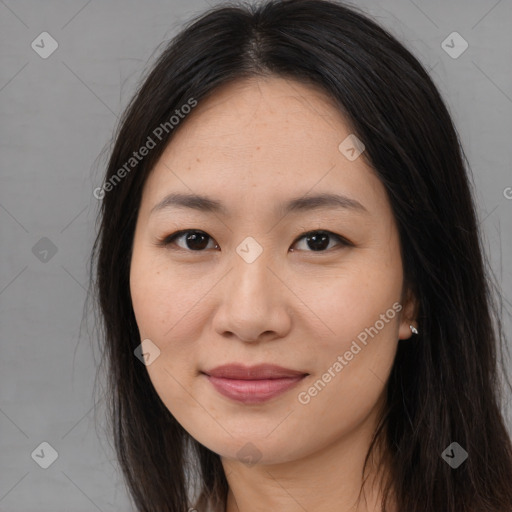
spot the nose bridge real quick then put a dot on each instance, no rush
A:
(252, 302)
(251, 275)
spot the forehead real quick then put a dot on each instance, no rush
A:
(273, 138)
(268, 111)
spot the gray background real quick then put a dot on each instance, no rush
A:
(58, 114)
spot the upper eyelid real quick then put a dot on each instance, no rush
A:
(167, 240)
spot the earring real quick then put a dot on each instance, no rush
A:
(413, 329)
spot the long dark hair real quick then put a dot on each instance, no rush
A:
(445, 386)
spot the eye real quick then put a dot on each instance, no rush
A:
(196, 240)
(319, 240)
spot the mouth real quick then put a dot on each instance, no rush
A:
(253, 384)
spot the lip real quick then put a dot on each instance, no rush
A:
(253, 384)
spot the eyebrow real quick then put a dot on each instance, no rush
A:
(303, 203)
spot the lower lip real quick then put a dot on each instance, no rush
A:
(253, 391)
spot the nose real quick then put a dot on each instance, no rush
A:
(253, 302)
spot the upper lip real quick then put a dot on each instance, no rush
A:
(258, 372)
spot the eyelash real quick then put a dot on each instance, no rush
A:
(169, 240)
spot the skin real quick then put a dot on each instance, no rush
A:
(251, 145)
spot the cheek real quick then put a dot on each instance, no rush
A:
(160, 298)
(356, 346)
(168, 309)
(352, 365)
(356, 301)
(165, 314)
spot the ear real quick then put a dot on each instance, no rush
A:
(409, 315)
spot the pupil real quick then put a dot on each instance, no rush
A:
(197, 241)
(318, 242)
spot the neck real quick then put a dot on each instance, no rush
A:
(330, 480)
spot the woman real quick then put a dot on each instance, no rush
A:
(291, 280)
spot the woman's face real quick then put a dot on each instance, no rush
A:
(251, 289)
